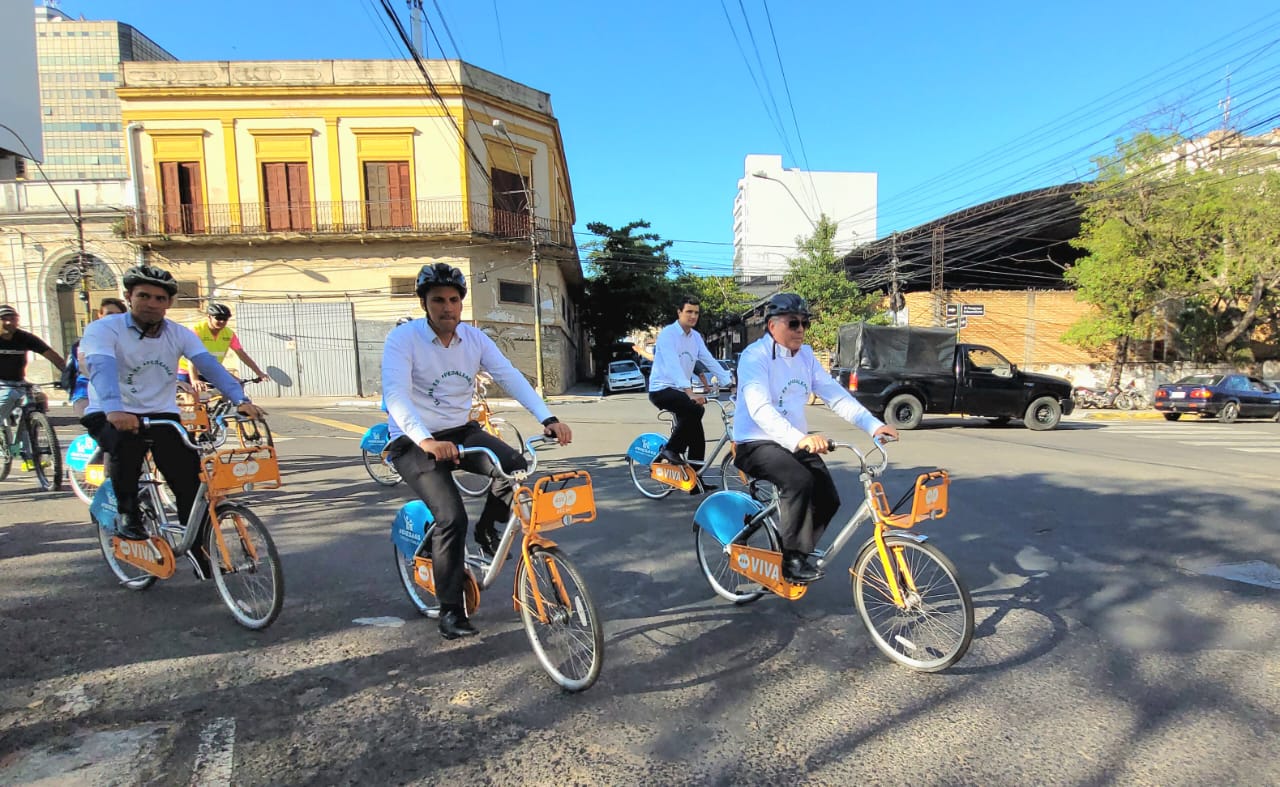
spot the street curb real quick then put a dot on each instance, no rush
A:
(1123, 415)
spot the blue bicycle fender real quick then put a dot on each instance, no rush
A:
(103, 508)
(376, 438)
(80, 452)
(645, 447)
(410, 526)
(724, 514)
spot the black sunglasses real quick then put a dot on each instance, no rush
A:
(796, 325)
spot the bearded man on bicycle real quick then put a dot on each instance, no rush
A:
(429, 369)
(133, 373)
(776, 374)
(15, 343)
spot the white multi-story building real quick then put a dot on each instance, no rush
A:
(774, 206)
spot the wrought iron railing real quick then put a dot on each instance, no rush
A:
(391, 218)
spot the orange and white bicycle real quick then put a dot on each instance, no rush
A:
(242, 557)
(909, 595)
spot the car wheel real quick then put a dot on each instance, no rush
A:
(904, 411)
(1229, 413)
(1043, 414)
(1172, 416)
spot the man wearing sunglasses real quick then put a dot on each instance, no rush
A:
(776, 374)
(675, 354)
(218, 338)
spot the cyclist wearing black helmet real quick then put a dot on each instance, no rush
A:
(15, 343)
(428, 378)
(776, 374)
(132, 360)
(218, 338)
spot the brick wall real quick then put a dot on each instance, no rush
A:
(1025, 326)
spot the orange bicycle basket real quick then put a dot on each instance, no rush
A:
(241, 470)
(562, 499)
(928, 500)
(193, 413)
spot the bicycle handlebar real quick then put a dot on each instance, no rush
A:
(518, 475)
(878, 444)
(201, 447)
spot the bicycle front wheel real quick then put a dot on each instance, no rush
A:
(649, 487)
(6, 451)
(248, 576)
(46, 456)
(714, 561)
(932, 627)
(380, 471)
(567, 637)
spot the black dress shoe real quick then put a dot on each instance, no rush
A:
(703, 487)
(666, 457)
(129, 527)
(454, 624)
(797, 568)
(488, 539)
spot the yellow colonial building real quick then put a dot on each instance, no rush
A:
(307, 194)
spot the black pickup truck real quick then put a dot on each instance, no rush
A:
(901, 373)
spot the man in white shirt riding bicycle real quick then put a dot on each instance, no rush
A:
(132, 359)
(429, 369)
(678, 349)
(776, 374)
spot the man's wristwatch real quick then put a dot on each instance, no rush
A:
(550, 421)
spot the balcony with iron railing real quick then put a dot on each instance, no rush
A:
(356, 219)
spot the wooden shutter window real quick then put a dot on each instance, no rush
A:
(170, 197)
(299, 195)
(192, 201)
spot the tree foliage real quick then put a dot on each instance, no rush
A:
(627, 285)
(1181, 239)
(721, 296)
(817, 275)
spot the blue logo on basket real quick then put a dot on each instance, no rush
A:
(644, 449)
(410, 525)
(80, 452)
(103, 508)
(376, 439)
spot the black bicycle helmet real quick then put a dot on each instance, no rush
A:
(441, 273)
(149, 274)
(219, 311)
(786, 303)
(8, 311)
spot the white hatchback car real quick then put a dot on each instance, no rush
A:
(623, 376)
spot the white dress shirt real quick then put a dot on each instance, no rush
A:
(773, 390)
(428, 387)
(674, 355)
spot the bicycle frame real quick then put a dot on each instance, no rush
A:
(866, 511)
(645, 449)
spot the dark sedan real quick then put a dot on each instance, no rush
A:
(1227, 396)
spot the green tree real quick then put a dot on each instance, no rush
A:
(720, 296)
(627, 285)
(817, 275)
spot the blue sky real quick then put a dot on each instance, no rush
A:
(951, 103)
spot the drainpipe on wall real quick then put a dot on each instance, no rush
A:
(135, 174)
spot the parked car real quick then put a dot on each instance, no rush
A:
(1226, 396)
(901, 373)
(623, 376)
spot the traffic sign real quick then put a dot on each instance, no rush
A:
(973, 309)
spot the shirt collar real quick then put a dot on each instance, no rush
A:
(128, 321)
(778, 349)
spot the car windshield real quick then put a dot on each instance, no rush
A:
(1200, 379)
(621, 367)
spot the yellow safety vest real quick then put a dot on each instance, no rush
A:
(216, 345)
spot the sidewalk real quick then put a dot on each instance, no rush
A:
(1117, 415)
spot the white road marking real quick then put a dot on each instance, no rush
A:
(216, 754)
(1257, 450)
(386, 622)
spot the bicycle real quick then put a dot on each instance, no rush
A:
(27, 435)
(907, 592)
(549, 590)
(374, 444)
(218, 408)
(656, 480)
(243, 560)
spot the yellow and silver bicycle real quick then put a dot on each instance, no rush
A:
(909, 595)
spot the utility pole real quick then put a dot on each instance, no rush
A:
(526, 187)
(935, 282)
(416, 16)
(896, 301)
(82, 261)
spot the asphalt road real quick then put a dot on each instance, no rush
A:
(1107, 650)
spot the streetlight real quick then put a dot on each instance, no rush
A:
(501, 128)
(764, 176)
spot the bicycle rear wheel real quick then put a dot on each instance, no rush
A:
(248, 578)
(131, 577)
(649, 487)
(424, 601)
(380, 471)
(933, 626)
(46, 456)
(568, 640)
(6, 451)
(713, 559)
